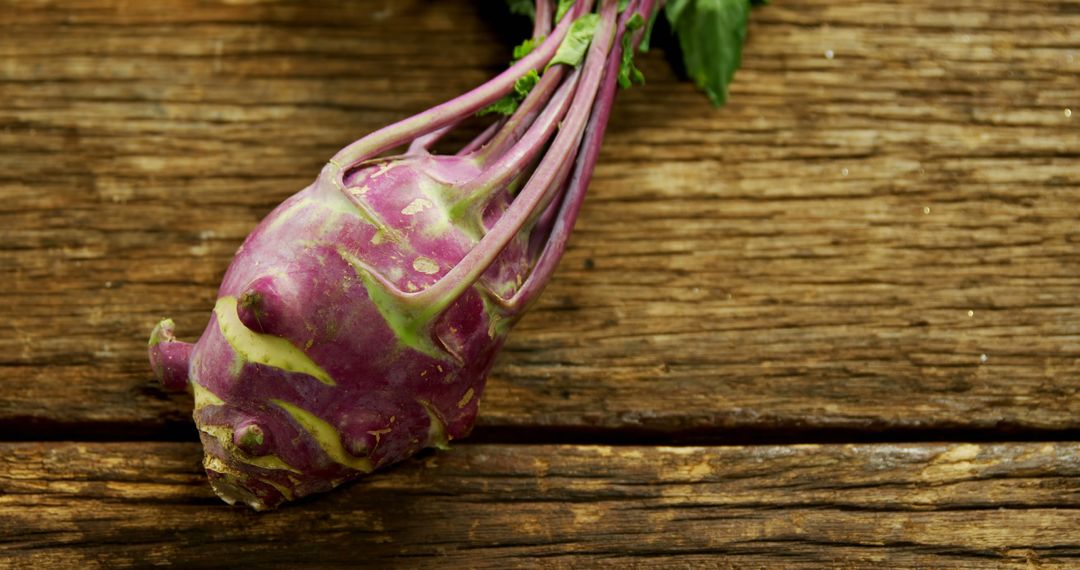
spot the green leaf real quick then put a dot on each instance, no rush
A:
(646, 37)
(505, 106)
(508, 104)
(573, 47)
(629, 74)
(526, 47)
(524, 85)
(711, 34)
(564, 6)
(522, 7)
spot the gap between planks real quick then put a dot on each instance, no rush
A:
(33, 430)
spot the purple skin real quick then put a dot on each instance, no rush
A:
(358, 322)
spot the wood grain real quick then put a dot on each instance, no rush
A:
(496, 506)
(882, 239)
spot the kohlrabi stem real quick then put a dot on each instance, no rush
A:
(527, 111)
(539, 235)
(583, 168)
(424, 142)
(645, 9)
(424, 305)
(552, 207)
(441, 115)
(542, 21)
(552, 201)
(482, 138)
(541, 27)
(524, 116)
(445, 291)
(515, 160)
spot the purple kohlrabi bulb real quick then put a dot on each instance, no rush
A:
(359, 320)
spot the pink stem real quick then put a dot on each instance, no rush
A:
(431, 301)
(541, 27)
(424, 142)
(514, 161)
(539, 236)
(453, 110)
(542, 22)
(526, 113)
(482, 138)
(547, 219)
(586, 163)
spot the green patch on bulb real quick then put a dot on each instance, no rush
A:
(231, 487)
(498, 323)
(158, 335)
(285, 492)
(265, 349)
(224, 435)
(350, 201)
(437, 436)
(328, 438)
(289, 213)
(467, 216)
(409, 325)
(237, 365)
(204, 397)
(437, 227)
(504, 288)
(252, 438)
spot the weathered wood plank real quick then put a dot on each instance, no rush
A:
(959, 505)
(836, 249)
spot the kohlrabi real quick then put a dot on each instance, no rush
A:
(359, 320)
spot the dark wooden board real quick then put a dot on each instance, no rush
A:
(875, 240)
(498, 506)
(879, 232)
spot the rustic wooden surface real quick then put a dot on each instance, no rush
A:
(875, 241)
(494, 506)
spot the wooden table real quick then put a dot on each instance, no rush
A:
(834, 323)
